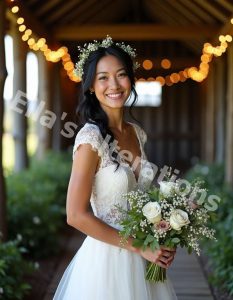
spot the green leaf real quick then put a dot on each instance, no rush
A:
(137, 243)
(148, 239)
(141, 235)
(176, 240)
(154, 245)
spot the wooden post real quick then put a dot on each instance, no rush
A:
(19, 84)
(208, 127)
(229, 118)
(48, 117)
(3, 74)
(220, 109)
(57, 109)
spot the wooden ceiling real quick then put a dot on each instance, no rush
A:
(154, 27)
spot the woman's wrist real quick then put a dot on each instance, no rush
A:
(130, 246)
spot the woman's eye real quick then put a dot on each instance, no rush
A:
(103, 78)
(122, 74)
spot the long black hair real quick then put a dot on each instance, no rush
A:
(89, 109)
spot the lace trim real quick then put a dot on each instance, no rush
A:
(90, 134)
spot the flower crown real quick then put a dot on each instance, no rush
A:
(107, 42)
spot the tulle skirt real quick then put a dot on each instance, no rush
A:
(100, 271)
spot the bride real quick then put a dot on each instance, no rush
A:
(108, 161)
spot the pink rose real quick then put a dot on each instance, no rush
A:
(162, 226)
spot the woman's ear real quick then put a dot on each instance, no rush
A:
(91, 90)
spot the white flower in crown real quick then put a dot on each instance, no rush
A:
(91, 47)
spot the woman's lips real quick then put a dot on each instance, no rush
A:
(115, 96)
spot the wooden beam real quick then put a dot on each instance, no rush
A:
(212, 10)
(227, 28)
(98, 8)
(135, 32)
(62, 11)
(167, 16)
(43, 9)
(73, 15)
(226, 4)
(184, 12)
(200, 12)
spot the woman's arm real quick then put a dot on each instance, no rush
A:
(78, 198)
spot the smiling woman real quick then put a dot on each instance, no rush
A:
(103, 268)
(112, 87)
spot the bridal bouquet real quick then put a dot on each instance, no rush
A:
(169, 216)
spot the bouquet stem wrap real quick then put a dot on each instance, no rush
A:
(155, 273)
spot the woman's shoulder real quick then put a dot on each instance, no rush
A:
(89, 127)
(89, 134)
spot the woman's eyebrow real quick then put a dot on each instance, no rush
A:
(103, 72)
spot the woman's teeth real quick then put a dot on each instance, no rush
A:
(115, 96)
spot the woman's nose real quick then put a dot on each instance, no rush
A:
(114, 83)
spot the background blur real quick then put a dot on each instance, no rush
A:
(185, 105)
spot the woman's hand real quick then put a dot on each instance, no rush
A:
(163, 257)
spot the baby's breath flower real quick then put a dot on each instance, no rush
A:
(91, 47)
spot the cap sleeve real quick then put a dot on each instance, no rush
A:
(89, 134)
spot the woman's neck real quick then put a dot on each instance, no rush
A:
(116, 119)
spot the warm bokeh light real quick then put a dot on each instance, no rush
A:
(195, 73)
(20, 21)
(31, 41)
(22, 28)
(174, 77)
(28, 32)
(228, 38)
(24, 37)
(160, 79)
(166, 63)
(147, 64)
(15, 9)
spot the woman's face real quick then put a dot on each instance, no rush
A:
(111, 85)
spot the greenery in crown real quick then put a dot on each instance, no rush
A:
(91, 47)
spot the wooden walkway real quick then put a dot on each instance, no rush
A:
(186, 274)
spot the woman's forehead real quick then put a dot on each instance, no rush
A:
(108, 63)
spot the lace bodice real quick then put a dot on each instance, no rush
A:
(110, 184)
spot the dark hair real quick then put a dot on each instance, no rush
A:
(89, 109)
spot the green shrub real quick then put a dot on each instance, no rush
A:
(12, 270)
(36, 203)
(220, 253)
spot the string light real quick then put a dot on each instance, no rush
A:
(147, 64)
(15, 9)
(195, 73)
(165, 63)
(20, 21)
(22, 28)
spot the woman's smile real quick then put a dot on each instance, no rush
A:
(115, 96)
(112, 85)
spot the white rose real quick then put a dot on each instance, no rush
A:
(152, 211)
(167, 188)
(178, 219)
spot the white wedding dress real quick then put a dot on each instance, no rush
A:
(100, 271)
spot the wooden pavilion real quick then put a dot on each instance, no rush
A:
(194, 121)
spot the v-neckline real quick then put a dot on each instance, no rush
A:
(140, 157)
